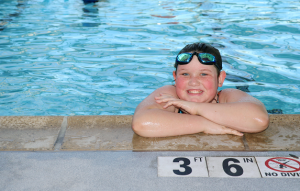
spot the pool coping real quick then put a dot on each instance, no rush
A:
(114, 133)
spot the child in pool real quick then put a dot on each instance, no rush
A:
(194, 104)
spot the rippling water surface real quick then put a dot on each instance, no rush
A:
(69, 58)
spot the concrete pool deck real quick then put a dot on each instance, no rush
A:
(103, 153)
(114, 133)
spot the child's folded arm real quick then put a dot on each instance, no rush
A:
(152, 120)
(239, 111)
(161, 123)
(236, 110)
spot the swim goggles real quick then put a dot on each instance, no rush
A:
(204, 58)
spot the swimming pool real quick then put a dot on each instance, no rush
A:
(65, 57)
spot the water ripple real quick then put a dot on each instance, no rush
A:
(68, 58)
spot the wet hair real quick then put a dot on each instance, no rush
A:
(203, 48)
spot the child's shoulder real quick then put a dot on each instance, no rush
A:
(167, 89)
(230, 91)
(150, 103)
(232, 95)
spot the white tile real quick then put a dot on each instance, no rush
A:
(182, 167)
(232, 167)
(279, 167)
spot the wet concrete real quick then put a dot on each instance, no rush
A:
(195, 142)
(96, 133)
(24, 133)
(283, 134)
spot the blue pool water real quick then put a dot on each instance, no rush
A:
(64, 57)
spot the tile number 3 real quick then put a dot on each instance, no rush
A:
(187, 169)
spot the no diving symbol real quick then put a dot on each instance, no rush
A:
(282, 164)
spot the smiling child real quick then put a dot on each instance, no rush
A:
(194, 103)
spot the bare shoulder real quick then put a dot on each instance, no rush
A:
(168, 89)
(234, 95)
(150, 103)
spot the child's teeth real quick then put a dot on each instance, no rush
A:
(194, 91)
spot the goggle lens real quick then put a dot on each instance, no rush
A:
(206, 58)
(184, 57)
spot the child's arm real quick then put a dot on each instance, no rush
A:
(152, 120)
(236, 110)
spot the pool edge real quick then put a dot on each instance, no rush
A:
(114, 133)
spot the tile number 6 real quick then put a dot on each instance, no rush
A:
(228, 168)
(186, 162)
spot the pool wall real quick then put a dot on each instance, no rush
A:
(114, 133)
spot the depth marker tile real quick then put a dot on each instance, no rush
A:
(232, 167)
(182, 167)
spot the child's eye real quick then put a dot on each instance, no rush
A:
(203, 74)
(185, 74)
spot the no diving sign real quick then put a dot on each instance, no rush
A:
(278, 167)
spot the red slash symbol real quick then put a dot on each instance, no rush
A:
(293, 165)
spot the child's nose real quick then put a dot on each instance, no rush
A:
(194, 81)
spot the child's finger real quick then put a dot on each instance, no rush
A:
(161, 100)
(164, 99)
(159, 97)
(172, 103)
(168, 104)
(235, 132)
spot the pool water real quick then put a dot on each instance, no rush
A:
(65, 57)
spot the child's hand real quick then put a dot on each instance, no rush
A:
(218, 129)
(185, 106)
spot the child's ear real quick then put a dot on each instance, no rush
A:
(174, 75)
(222, 77)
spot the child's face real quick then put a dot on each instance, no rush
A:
(197, 82)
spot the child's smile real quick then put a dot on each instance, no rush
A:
(195, 91)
